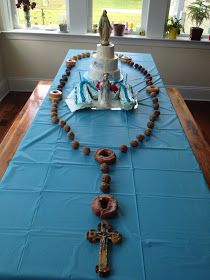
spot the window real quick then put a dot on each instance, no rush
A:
(47, 14)
(119, 11)
(178, 8)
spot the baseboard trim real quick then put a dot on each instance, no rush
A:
(193, 92)
(188, 92)
(4, 89)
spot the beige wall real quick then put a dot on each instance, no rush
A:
(35, 60)
(3, 82)
(1, 64)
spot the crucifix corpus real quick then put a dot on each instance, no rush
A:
(104, 234)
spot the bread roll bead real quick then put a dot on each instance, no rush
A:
(66, 127)
(75, 144)
(106, 178)
(105, 187)
(104, 167)
(86, 150)
(134, 143)
(70, 135)
(152, 88)
(148, 132)
(140, 137)
(62, 123)
(123, 148)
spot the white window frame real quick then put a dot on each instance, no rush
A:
(143, 16)
(154, 16)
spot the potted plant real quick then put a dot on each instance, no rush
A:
(119, 29)
(63, 24)
(198, 11)
(173, 27)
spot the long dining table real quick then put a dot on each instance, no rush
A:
(163, 197)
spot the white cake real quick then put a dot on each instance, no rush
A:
(104, 61)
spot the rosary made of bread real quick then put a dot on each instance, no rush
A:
(105, 206)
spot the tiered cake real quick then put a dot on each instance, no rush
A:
(104, 61)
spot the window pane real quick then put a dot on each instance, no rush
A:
(47, 12)
(119, 11)
(178, 8)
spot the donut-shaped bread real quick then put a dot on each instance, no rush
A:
(152, 88)
(105, 155)
(55, 95)
(104, 206)
(71, 62)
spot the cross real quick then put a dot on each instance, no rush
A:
(104, 234)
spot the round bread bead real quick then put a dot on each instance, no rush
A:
(55, 119)
(104, 167)
(54, 114)
(148, 132)
(68, 72)
(65, 78)
(106, 178)
(54, 104)
(79, 56)
(66, 127)
(140, 67)
(60, 88)
(123, 148)
(155, 100)
(140, 137)
(87, 54)
(74, 57)
(105, 187)
(53, 110)
(131, 63)
(70, 135)
(150, 124)
(152, 88)
(54, 107)
(152, 118)
(134, 143)
(83, 55)
(156, 106)
(145, 72)
(149, 83)
(136, 65)
(153, 94)
(148, 76)
(69, 67)
(75, 144)
(62, 123)
(86, 150)
(62, 82)
(156, 113)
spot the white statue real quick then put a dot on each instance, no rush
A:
(104, 96)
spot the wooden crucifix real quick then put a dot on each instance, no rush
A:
(104, 234)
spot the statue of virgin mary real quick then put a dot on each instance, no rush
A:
(105, 29)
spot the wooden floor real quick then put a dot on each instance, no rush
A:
(12, 104)
(201, 113)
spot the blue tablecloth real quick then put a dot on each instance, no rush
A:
(46, 192)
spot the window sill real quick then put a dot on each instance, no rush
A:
(128, 39)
